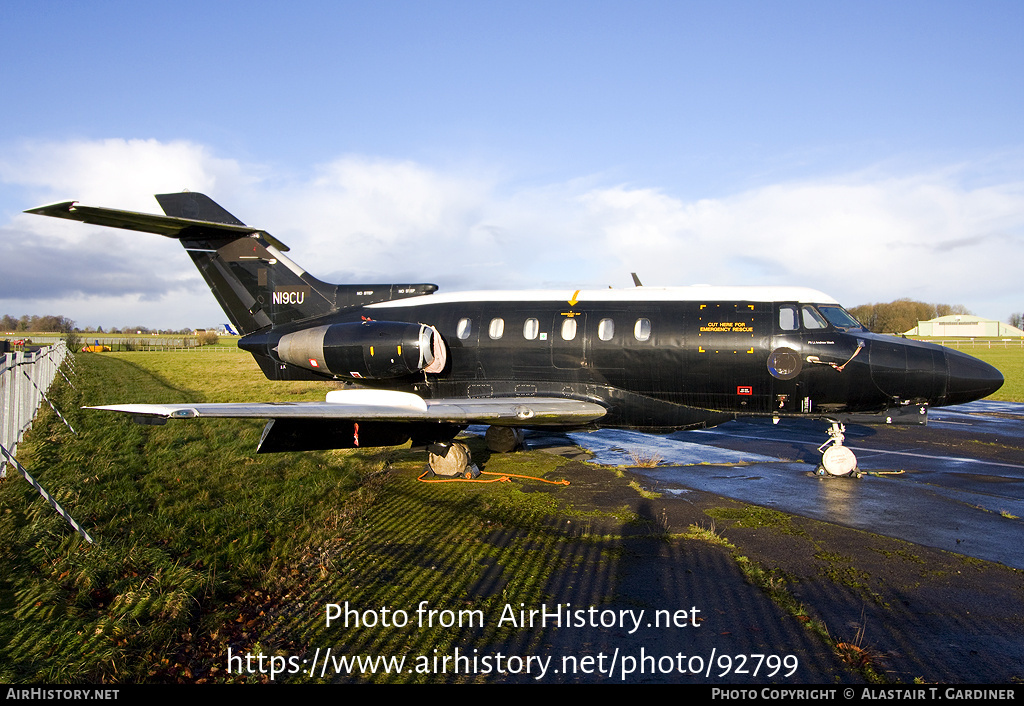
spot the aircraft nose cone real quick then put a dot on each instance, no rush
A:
(969, 378)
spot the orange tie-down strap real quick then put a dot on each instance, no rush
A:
(499, 478)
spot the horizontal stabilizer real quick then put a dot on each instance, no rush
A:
(168, 226)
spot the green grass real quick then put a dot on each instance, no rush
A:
(755, 516)
(186, 520)
(1010, 362)
(202, 545)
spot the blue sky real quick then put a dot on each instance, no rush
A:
(871, 150)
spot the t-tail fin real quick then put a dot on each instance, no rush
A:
(256, 285)
(195, 206)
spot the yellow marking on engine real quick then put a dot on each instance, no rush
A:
(399, 350)
(371, 351)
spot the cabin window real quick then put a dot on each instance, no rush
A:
(812, 319)
(464, 329)
(496, 329)
(787, 318)
(606, 329)
(642, 329)
(568, 329)
(530, 329)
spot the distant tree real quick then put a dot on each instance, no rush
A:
(865, 313)
(902, 315)
(1016, 320)
(950, 310)
(51, 323)
(47, 324)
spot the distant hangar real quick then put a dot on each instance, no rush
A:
(964, 326)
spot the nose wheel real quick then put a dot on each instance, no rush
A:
(836, 459)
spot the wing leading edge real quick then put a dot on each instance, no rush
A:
(167, 226)
(367, 418)
(388, 406)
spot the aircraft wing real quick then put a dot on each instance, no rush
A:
(387, 406)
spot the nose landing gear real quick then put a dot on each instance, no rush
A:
(836, 459)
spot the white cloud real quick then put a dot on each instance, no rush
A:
(860, 237)
(131, 171)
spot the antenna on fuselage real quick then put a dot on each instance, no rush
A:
(636, 280)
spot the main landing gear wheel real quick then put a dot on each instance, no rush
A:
(836, 459)
(504, 440)
(451, 460)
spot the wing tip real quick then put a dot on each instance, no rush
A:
(53, 209)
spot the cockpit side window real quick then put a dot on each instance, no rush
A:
(788, 320)
(812, 319)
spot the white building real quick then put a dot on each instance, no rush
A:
(964, 326)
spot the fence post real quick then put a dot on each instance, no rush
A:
(23, 379)
(7, 400)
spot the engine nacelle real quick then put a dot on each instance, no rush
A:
(376, 350)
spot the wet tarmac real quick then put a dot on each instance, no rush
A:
(956, 484)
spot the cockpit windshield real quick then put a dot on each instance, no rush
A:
(839, 317)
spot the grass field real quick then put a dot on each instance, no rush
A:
(204, 546)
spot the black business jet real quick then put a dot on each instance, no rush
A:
(421, 366)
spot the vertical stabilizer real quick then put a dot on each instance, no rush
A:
(246, 269)
(197, 207)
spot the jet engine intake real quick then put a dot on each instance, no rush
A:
(374, 350)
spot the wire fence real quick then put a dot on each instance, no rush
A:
(126, 343)
(979, 343)
(25, 377)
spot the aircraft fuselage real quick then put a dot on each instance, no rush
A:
(658, 358)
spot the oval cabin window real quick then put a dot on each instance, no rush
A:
(464, 329)
(642, 329)
(496, 329)
(568, 329)
(606, 329)
(530, 329)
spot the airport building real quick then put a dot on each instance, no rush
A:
(964, 326)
